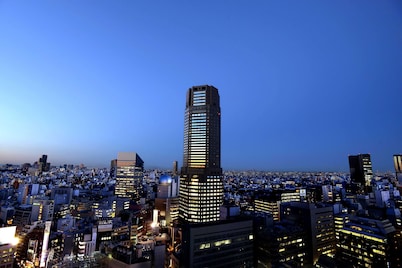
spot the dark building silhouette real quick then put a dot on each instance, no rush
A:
(201, 187)
(361, 170)
(278, 244)
(317, 220)
(175, 170)
(43, 165)
(227, 244)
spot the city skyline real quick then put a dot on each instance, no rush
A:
(303, 85)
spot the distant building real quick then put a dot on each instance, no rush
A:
(201, 186)
(113, 166)
(175, 170)
(361, 170)
(43, 165)
(398, 167)
(129, 175)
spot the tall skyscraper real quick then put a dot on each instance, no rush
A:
(398, 167)
(201, 188)
(175, 170)
(361, 170)
(129, 174)
(43, 164)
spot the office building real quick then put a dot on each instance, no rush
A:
(129, 175)
(227, 244)
(22, 216)
(43, 165)
(398, 168)
(365, 242)
(62, 197)
(42, 210)
(361, 170)
(271, 203)
(33, 244)
(317, 220)
(201, 187)
(269, 206)
(175, 170)
(167, 201)
(286, 245)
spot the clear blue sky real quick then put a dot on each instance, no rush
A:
(303, 84)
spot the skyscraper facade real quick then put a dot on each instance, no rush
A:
(201, 188)
(398, 163)
(398, 167)
(129, 174)
(361, 170)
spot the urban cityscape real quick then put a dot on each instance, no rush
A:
(200, 134)
(198, 216)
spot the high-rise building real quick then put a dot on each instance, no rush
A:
(317, 220)
(175, 170)
(205, 240)
(43, 164)
(201, 187)
(361, 170)
(365, 242)
(398, 167)
(226, 244)
(129, 175)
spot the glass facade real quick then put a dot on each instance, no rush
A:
(398, 163)
(201, 188)
(129, 175)
(361, 170)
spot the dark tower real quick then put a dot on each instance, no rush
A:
(175, 168)
(361, 170)
(398, 167)
(43, 164)
(201, 188)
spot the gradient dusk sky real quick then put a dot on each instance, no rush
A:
(303, 84)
